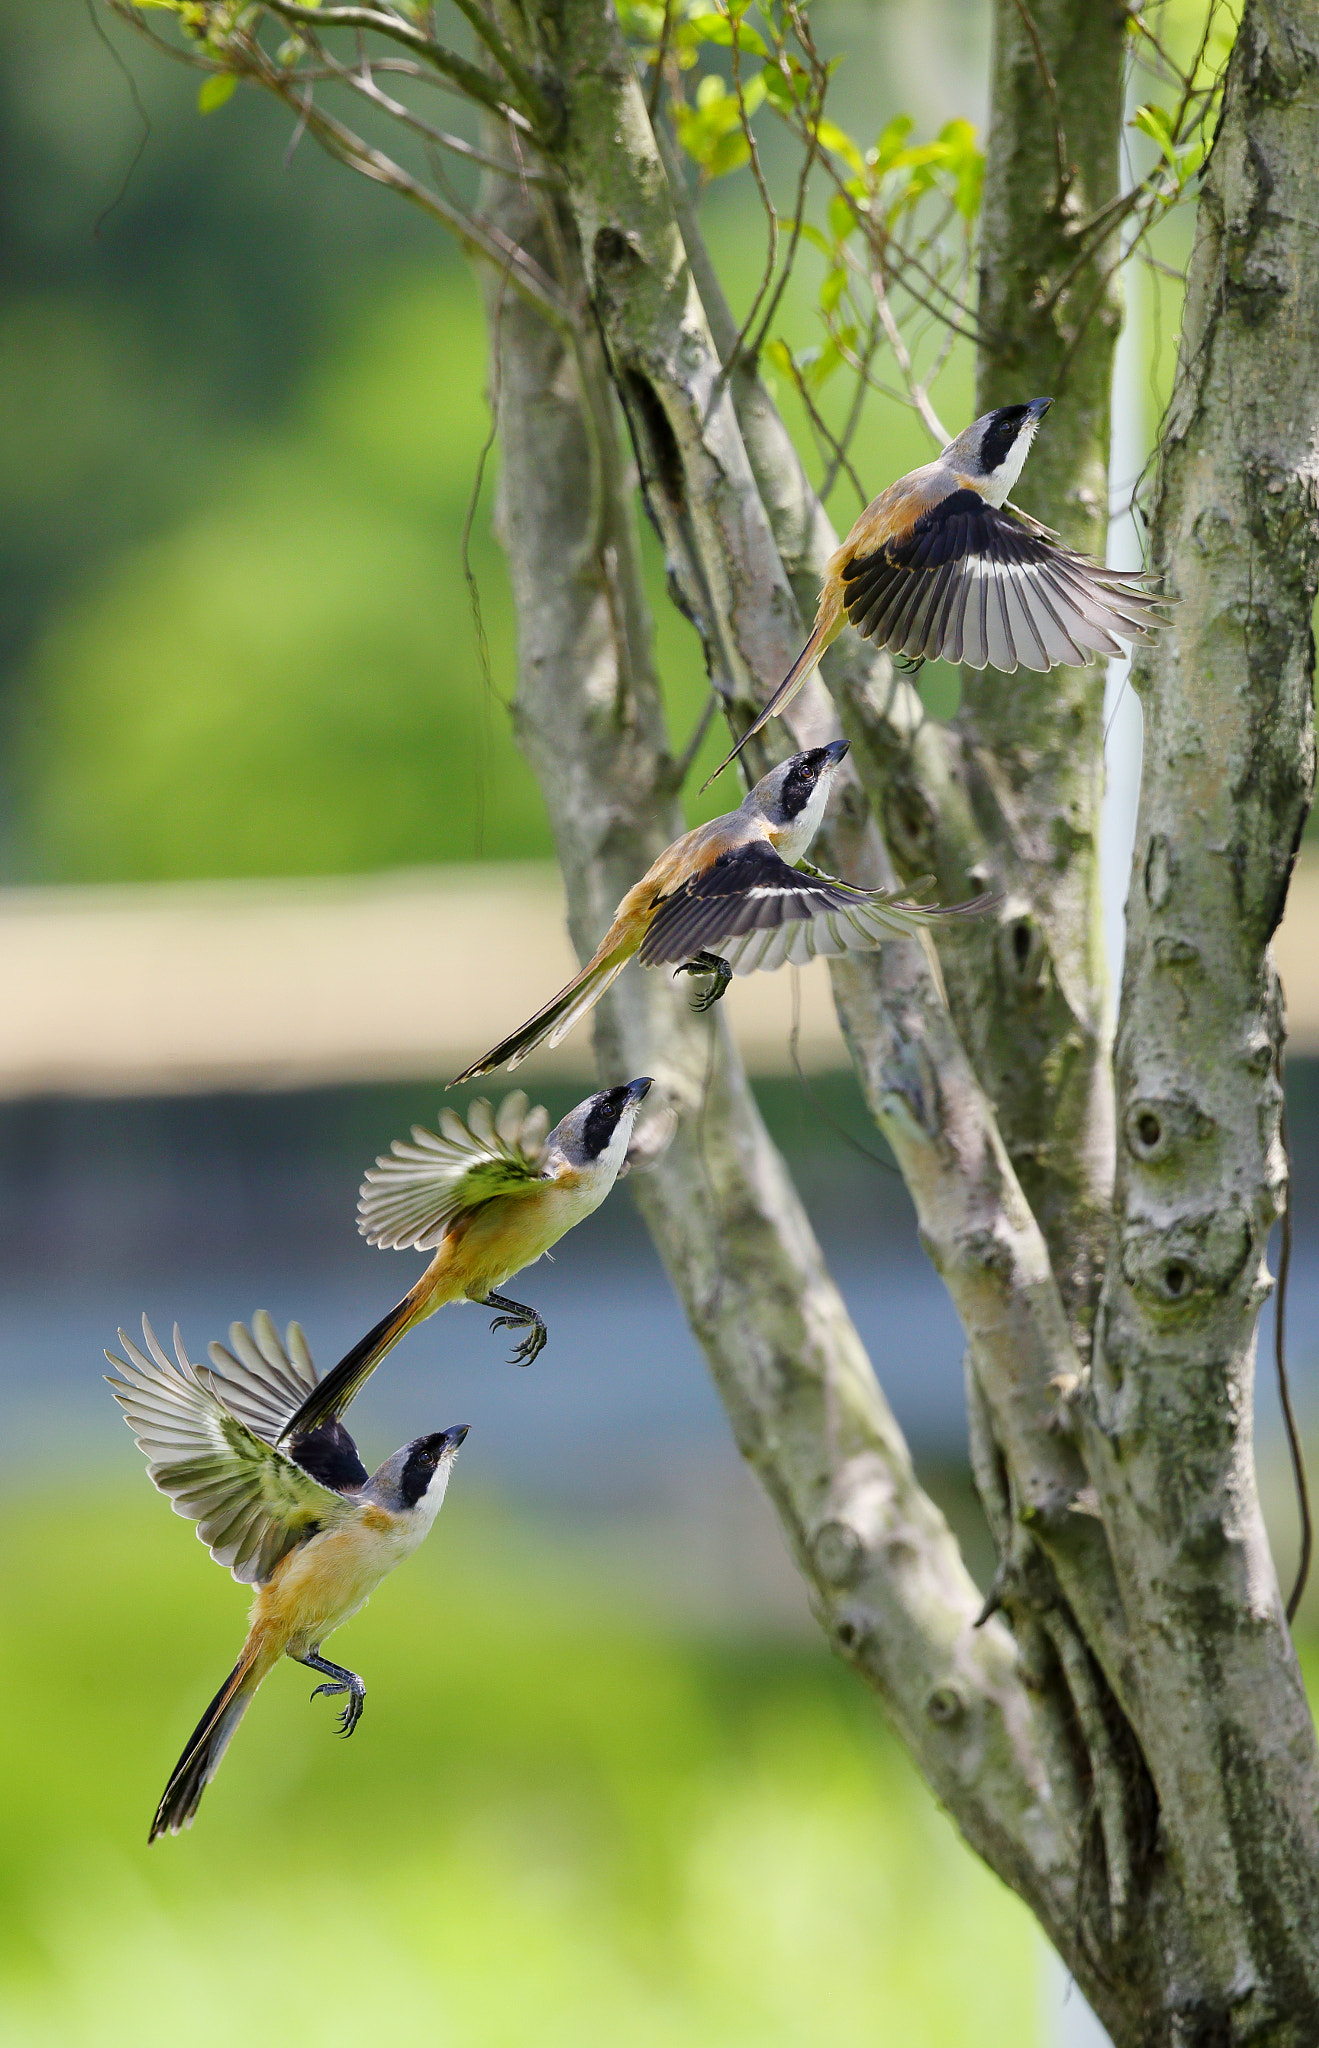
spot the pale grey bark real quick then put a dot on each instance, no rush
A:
(1133, 1754)
(1049, 314)
(887, 1580)
(741, 528)
(1228, 774)
(986, 1240)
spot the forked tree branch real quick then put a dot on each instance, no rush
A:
(886, 1576)
(1228, 776)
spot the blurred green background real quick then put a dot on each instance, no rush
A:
(245, 403)
(243, 409)
(562, 1820)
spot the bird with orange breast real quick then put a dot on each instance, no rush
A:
(940, 567)
(488, 1196)
(730, 897)
(312, 1531)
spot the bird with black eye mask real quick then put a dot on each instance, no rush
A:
(488, 1196)
(309, 1529)
(729, 898)
(940, 567)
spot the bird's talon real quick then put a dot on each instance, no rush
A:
(712, 964)
(318, 1690)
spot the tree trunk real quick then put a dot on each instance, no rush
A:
(1059, 1780)
(1034, 745)
(1128, 1744)
(886, 1577)
(1228, 774)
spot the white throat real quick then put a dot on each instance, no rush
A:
(428, 1507)
(794, 838)
(614, 1153)
(998, 486)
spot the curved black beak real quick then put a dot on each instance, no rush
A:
(837, 750)
(639, 1089)
(1038, 407)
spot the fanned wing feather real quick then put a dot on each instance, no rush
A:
(410, 1198)
(258, 1379)
(755, 911)
(251, 1504)
(990, 588)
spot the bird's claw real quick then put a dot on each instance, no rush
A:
(353, 1706)
(714, 965)
(532, 1344)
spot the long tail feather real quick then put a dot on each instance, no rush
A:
(555, 1021)
(783, 696)
(205, 1746)
(330, 1396)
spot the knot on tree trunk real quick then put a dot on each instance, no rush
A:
(1180, 1262)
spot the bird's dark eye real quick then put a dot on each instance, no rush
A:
(602, 1121)
(417, 1474)
(1000, 436)
(799, 782)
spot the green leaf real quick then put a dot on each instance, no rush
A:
(785, 93)
(215, 90)
(891, 140)
(780, 355)
(729, 153)
(970, 186)
(819, 371)
(711, 131)
(1154, 121)
(959, 137)
(842, 217)
(643, 20)
(831, 291)
(833, 137)
(717, 28)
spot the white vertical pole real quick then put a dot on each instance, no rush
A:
(1122, 714)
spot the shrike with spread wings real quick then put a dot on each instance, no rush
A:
(489, 1196)
(311, 1530)
(939, 566)
(728, 898)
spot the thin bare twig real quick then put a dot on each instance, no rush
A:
(771, 214)
(920, 397)
(838, 460)
(516, 72)
(479, 237)
(821, 428)
(661, 59)
(682, 766)
(364, 83)
(820, 81)
(1284, 1384)
(1051, 94)
(880, 241)
(468, 79)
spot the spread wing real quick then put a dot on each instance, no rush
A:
(251, 1504)
(755, 911)
(258, 1379)
(412, 1195)
(972, 583)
